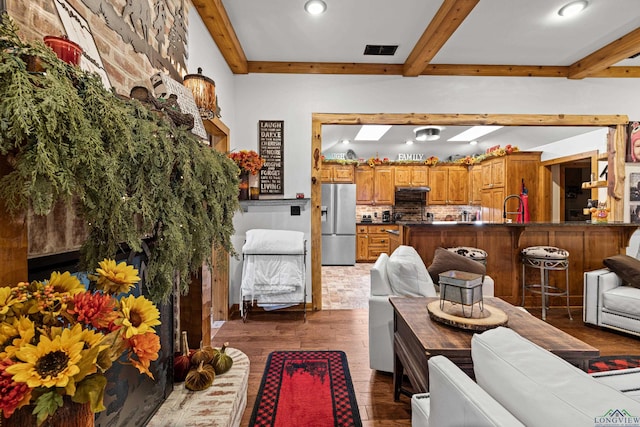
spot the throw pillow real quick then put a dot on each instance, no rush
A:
(626, 267)
(408, 275)
(444, 260)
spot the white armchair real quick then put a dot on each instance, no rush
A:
(385, 284)
(610, 303)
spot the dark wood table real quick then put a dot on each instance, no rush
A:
(417, 338)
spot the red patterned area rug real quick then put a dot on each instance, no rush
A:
(610, 363)
(306, 388)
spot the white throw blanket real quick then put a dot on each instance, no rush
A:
(273, 269)
(273, 242)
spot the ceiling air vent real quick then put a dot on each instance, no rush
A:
(380, 49)
(634, 56)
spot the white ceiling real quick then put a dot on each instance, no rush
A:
(497, 32)
(500, 33)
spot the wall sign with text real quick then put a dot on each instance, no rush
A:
(271, 144)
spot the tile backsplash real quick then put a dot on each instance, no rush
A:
(415, 211)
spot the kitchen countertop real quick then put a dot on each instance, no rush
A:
(515, 224)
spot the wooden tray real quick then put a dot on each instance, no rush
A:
(451, 314)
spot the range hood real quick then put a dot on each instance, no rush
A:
(422, 189)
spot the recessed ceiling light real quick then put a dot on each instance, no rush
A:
(474, 142)
(315, 7)
(409, 142)
(474, 133)
(573, 8)
(371, 132)
(345, 141)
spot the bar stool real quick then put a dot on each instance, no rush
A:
(475, 254)
(546, 258)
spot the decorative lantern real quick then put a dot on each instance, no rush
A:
(204, 92)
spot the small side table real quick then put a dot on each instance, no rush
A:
(461, 287)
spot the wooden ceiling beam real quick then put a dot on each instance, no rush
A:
(323, 68)
(445, 22)
(612, 53)
(215, 18)
(472, 119)
(431, 70)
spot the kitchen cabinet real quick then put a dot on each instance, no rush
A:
(372, 240)
(449, 185)
(383, 187)
(374, 186)
(493, 173)
(411, 176)
(492, 204)
(336, 173)
(475, 185)
(502, 177)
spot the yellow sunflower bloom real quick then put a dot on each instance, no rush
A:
(139, 316)
(52, 363)
(23, 332)
(5, 300)
(116, 278)
(65, 283)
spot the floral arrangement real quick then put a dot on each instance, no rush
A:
(58, 338)
(372, 161)
(247, 161)
(431, 161)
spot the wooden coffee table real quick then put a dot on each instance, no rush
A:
(417, 338)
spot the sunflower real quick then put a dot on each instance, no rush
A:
(14, 336)
(65, 283)
(52, 363)
(115, 279)
(139, 316)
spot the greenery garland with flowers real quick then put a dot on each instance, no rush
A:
(431, 160)
(58, 338)
(135, 179)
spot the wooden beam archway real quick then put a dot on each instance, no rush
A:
(617, 122)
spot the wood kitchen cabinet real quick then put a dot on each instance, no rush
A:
(372, 240)
(449, 185)
(383, 186)
(374, 186)
(502, 177)
(331, 172)
(411, 176)
(493, 173)
(475, 185)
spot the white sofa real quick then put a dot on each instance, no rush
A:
(609, 303)
(519, 383)
(408, 277)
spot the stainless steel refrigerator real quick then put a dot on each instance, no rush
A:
(338, 224)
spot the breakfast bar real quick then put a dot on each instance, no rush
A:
(588, 244)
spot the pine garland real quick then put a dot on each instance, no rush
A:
(134, 176)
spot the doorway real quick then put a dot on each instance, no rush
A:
(575, 197)
(617, 122)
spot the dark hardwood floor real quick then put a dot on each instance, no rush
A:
(346, 330)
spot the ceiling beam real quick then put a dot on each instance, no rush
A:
(217, 21)
(472, 119)
(431, 69)
(612, 53)
(442, 26)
